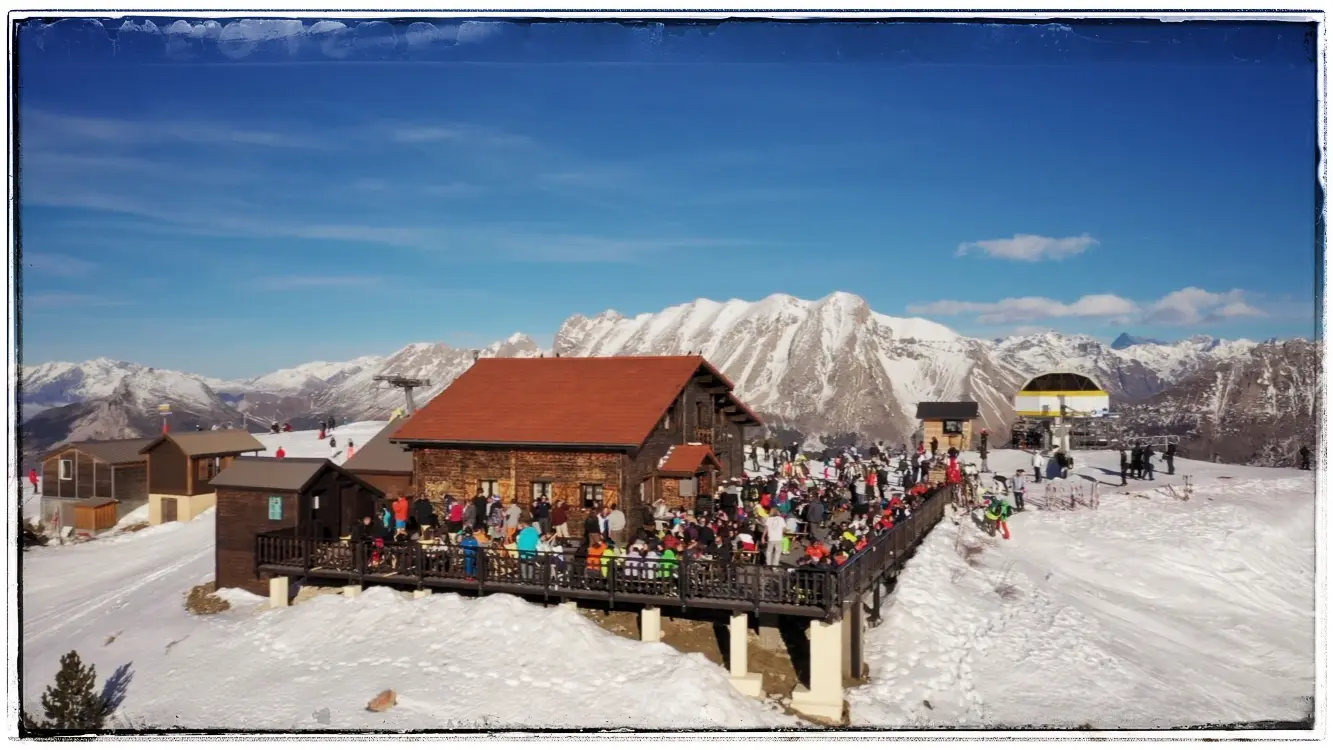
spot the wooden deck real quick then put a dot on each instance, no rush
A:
(697, 584)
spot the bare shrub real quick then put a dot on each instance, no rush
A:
(202, 601)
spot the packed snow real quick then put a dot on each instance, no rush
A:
(308, 443)
(1150, 611)
(453, 662)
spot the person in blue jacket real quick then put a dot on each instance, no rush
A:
(470, 547)
(527, 542)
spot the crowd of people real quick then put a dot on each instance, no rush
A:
(796, 515)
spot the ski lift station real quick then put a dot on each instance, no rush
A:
(1061, 394)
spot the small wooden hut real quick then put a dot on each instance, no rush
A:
(949, 422)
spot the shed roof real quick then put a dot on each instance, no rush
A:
(686, 459)
(1063, 381)
(379, 456)
(114, 452)
(585, 401)
(278, 474)
(933, 410)
(209, 442)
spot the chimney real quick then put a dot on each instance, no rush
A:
(476, 355)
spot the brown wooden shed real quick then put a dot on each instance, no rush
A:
(386, 465)
(92, 484)
(181, 467)
(309, 497)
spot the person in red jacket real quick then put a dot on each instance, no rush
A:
(400, 513)
(280, 453)
(32, 477)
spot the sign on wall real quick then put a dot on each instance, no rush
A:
(275, 507)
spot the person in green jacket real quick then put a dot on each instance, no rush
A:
(666, 566)
(998, 510)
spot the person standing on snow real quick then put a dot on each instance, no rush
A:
(32, 479)
(333, 447)
(1305, 458)
(1124, 467)
(1170, 456)
(1147, 461)
(984, 450)
(1136, 462)
(1020, 486)
(1038, 464)
(280, 453)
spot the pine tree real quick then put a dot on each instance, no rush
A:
(73, 702)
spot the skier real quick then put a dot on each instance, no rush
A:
(331, 423)
(997, 514)
(32, 479)
(323, 429)
(1305, 458)
(1170, 456)
(280, 453)
(350, 448)
(333, 447)
(1124, 467)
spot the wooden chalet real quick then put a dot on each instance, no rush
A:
(950, 422)
(586, 430)
(310, 498)
(385, 465)
(181, 467)
(90, 485)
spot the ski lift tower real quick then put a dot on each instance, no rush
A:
(407, 384)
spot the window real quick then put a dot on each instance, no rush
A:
(666, 421)
(699, 412)
(489, 487)
(953, 427)
(542, 489)
(208, 468)
(592, 495)
(66, 468)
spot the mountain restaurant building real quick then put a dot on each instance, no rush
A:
(586, 430)
(386, 465)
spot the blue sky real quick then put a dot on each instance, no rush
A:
(234, 197)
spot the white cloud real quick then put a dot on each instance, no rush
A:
(1030, 247)
(1028, 309)
(1193, 305)
(67, 130)
(1183, 307)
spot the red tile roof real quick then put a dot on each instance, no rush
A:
(588, 401)
(686, 459)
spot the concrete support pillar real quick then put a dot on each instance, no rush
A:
(746, 682)
(650, 625)
(421, 593)
(853, 639)
(351, 591)
(770, 636)
(823, 698)
(277, 591)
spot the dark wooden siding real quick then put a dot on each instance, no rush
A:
(167, 467)
(102, 480)
(241, 514)
(131, 482)
(459, 472)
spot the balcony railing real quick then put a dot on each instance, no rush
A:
(707, 583)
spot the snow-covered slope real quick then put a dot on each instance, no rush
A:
(55, 384)
(1172, 362)
(828, 366)
(1149, 612)
(305, 378)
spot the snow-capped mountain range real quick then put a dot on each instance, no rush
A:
(827, 366)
